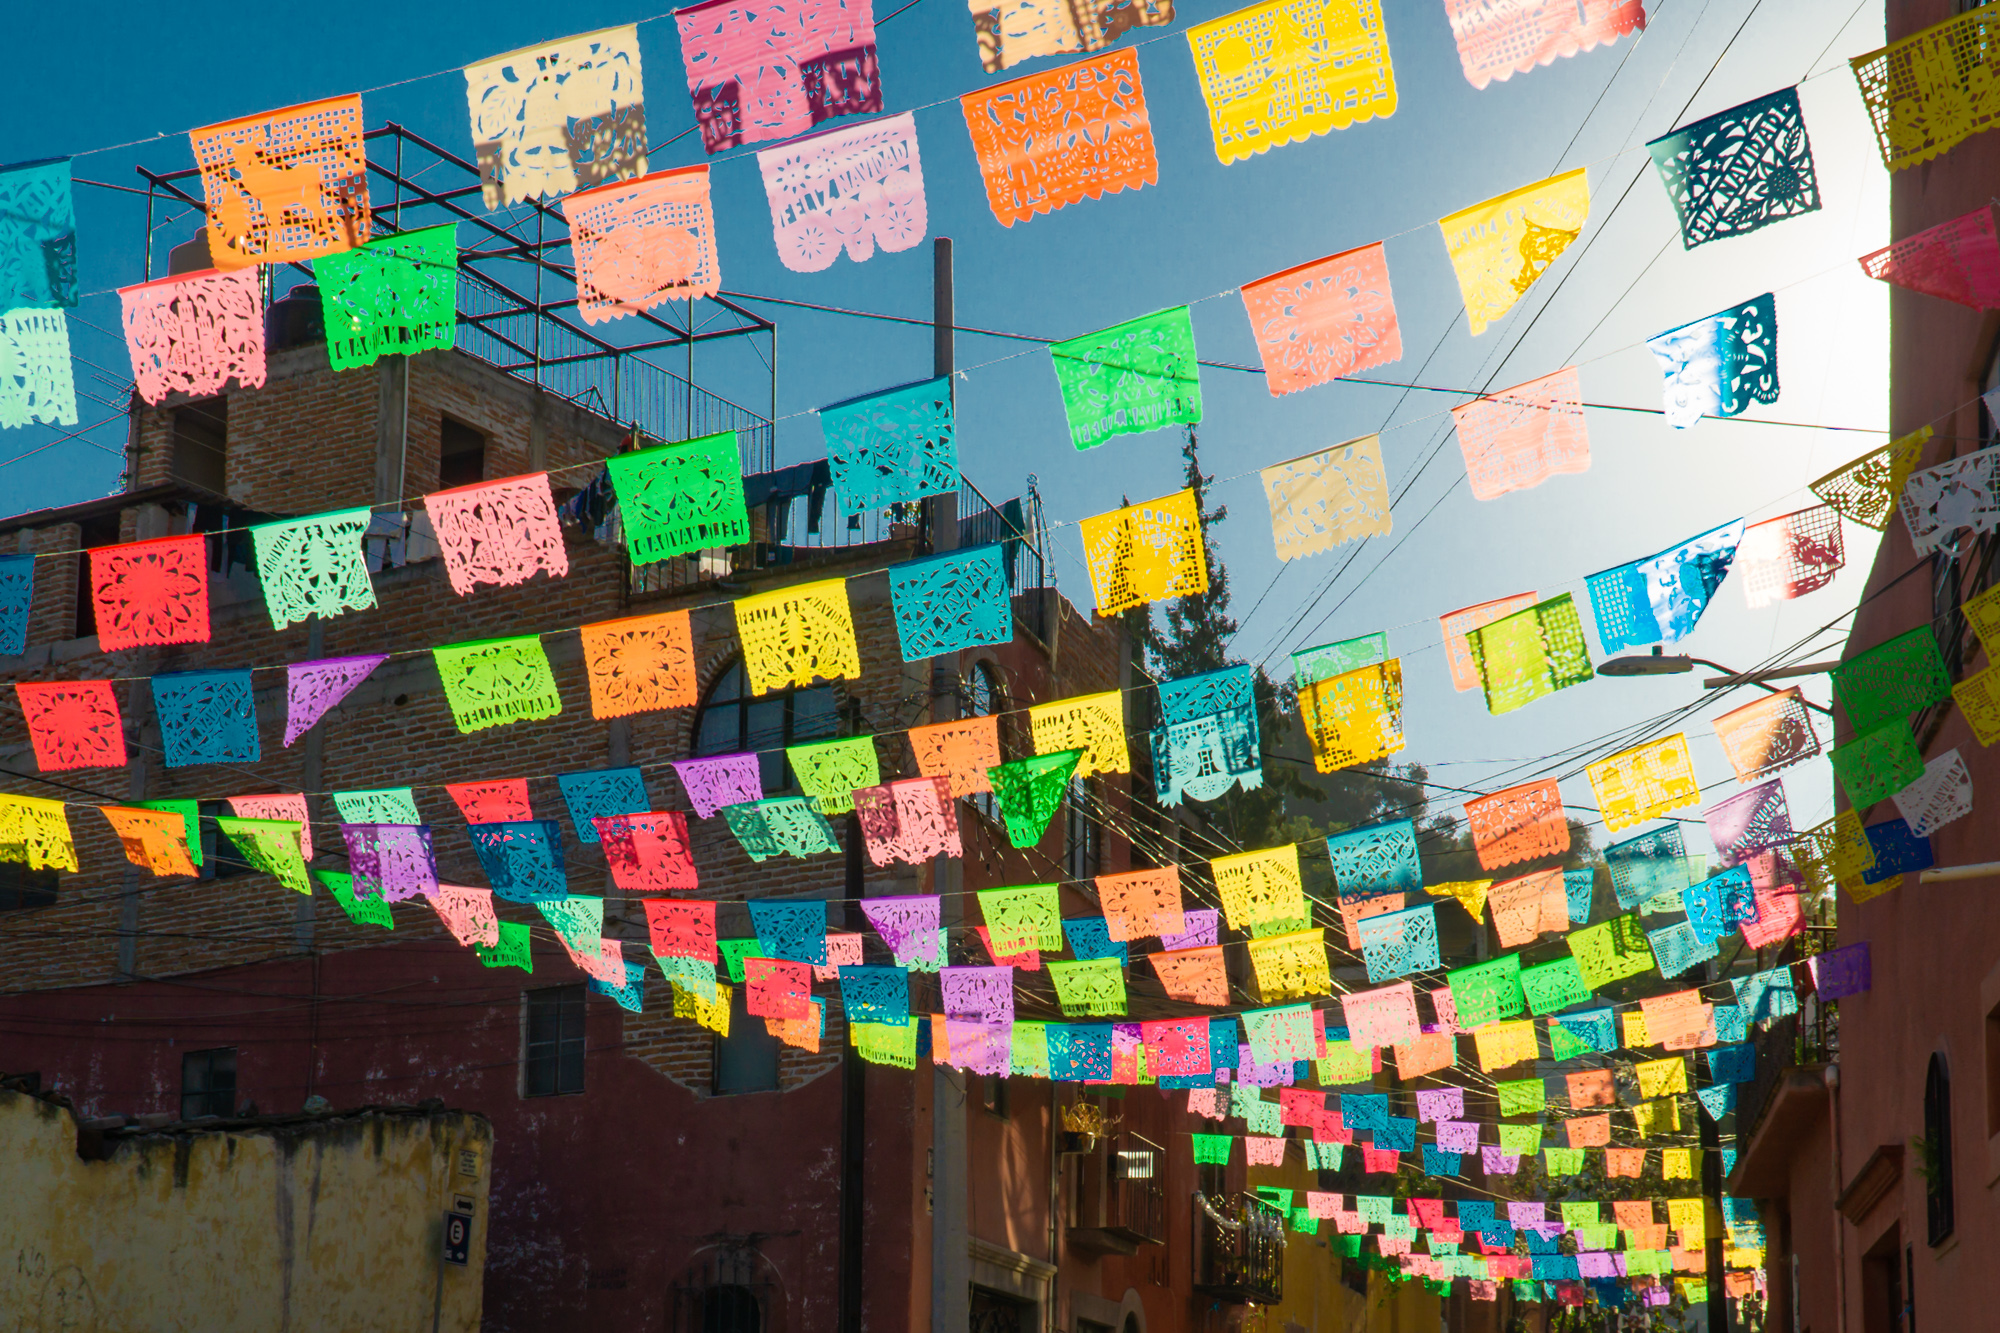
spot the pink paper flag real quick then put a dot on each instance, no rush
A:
(150, 593)
(1264, 1151)
(777, 988)
(1497, 41)
(981, 1047)
(643, 243)
(984, 993)
(1176, 1047)
(1520, 437)
(284, 805)
(606, 965)
(764, 72)
(1317, 322)
(684, 929)
(1322, 1205)
(468, 914)
(1382, 1017)
(648, 853)
(719, 780)
(501, 801)
(312, 689)
(193, 333)
(1787, 557)
(909, 820)
(842, 950)
(856, 186)
(1957, 260)
(498, 532)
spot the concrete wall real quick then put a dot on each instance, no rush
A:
(333, 1223)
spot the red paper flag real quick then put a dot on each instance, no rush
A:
(777, 988)
(682, 929)
(73, 724)
(151, 592)
(503, 801)
(648, 853)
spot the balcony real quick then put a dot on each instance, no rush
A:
(1239, 1249)
(1789, 1094)
(1119, 1204)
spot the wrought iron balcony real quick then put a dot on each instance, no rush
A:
(1119, 1202)
(1239, 1249)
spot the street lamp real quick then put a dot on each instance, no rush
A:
(1657, 664)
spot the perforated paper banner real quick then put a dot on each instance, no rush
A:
(952, 601)
(193, 333)
(154, 840)
(37, 236)
(1504, 1045)
(1291, 966)
(395, 296)
(389, 805)
(795, 931)
(1892, 680)
(642, 243)
(830, 771)
(1030, 791)
(1644, 782)
(1530, 654)
(780, 826)
(1878, 763)
(681, 929)
(1328, 499)
(313, 566)
(1678, 947)
(1056, 138)
(497, 681)
(1718, 365)
(1022, 918)
(1356, 717)
(1129, 379)
(679, 498)
(206, 717)
(1283, 71)
(1193, 975)
(286, 185)
(1010, 31)
(601, 791)
(150, 593)
(910, 820)
(468, 914)
(1518, 438)
(1748, 822)
(1312, 665)
(1498, 248)
(1092, 723)
(37, 382)
(1376, 859)
(1528, 906)
(1145, 553)
(1385, 1016)
(1458, 624)
(271, 847)
(960, 752)
(1519, 824)
(366, 911)
(641, 664)
(1788, 557)
(1958, 261)
(648, 853)
(558, 117)
(1317, 322)
(1842, 972)
(1093, 987)
(73, 723)
(1866, 490)
(855, 186)
(1395, 944)
(1738, 170)
(1930, 90)
(1142, 903)
(1499, 41)
(312, 689)
(1939, 502)
(1485, 992)
(1662, 598)
(793, 635)
(894, 446)
(758, 74)
(498, 532)
(1941, 796)
(1210, 739)
(1260, 886)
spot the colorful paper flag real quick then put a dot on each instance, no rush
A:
(284, 186)
(1498, 248)
(1283, 71)
(1718, 365)
(559, 116)
(794, 635)
(1324, 320)
(1518, 438)
(194, 333)
(497, 532)
(641, 243)
(1734, 172)
(1327, 499)
(1146, 553)
(1056, 138)
(395, 296)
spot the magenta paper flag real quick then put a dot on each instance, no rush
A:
(1204, 929)
(468, 914)
(284, 805)
(857, 187)
(985, 993)
(1958, 261)
(761, 72)
(497, 532)
(725, 779)
(1500, 40)
(312, 689)
(982, 1048)
(1520, 437)
(909, 820)
(1383, 1017)
(909, 926)
(390, 861)
(1750, 821)
(1434, 1104)
(193, 333)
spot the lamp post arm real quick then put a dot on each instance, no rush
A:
(1762, 679)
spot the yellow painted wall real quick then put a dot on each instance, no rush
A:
(1315, 1297)
(332, 1224)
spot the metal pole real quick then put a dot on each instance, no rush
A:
(1711, 1189)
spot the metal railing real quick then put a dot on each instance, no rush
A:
(1238, 1249)
(1806, 1040)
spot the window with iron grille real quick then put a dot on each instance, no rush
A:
(22, 889)
(1936, 1149)
(726, 1290)
(208, 1082)
(552, 1041)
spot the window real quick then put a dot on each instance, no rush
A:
(552, 1041)
(1082, 848)
(747, 1059)
(1993, 1071)
(984, 698)
(201, 445)
(220, 857)
(98, 530)
(998, 1312)
(208, 1082)
(1936, 1150)
(22, 889)
(732, 721)
(993, 1095)
(461, 454)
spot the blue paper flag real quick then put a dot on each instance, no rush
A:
(1678, 947)
(522, 860)
(899, 445)
(1364, 1110)
(1897, 851)
(1732, 1064)
(1595, 1028)
(1397, 1133)
(951, 601)
(875, 994)
(1224, 1050)
(1208, 739)
(1738, 170)
(1660, 598)
(1079, 1052)
(1719, 365)
(631, 995)
(1714, 904)
(37, 236)
(1475, 1214)
(1395, 944)
(1578, 886)
(1181, 1081)
(1653, 863)
(602, 791)
(1718, 1099)
(1090, 937)
(1767, 995)
(1381, 858)
(17, 599)
(206, 717)
(1438, 1162)
(794, 931)
(1730, 1024)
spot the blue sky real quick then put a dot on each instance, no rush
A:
(1193, 238)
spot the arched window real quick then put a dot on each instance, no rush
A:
(732, 721)
(1936, 1165)
(984, 698)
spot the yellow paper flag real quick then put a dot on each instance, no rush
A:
(1092, 723)
(1356, 716)
(1260, 886)
(1501, 246)
(1644, 782)
(792, 635)
(1145, 553)
(1291, 967)
(1329, 498)
(1285, 70)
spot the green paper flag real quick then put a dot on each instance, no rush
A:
(1529, 654)
(1018, 920)
(831, 771)
(1213, 1149)
(1892, 680)
(190, 813)
(1092, 988)
(491, 682)
(362, 909)
(512, 951)
(677, 498)
(734, 952)
(1549, 987)
(396, 295)
(1878, 763)
(1029, 792)
(1522, 1140)
(1610, 951)
(1344, 1062)
(271, 846)
(1523, 1096)
(1486, 992)
(1029, 1056)
(1563, 1161)
(1130, 378)
(888, 1043)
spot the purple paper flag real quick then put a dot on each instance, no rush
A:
(1496, 1162)
(983, 1048)
(1435, 1104)
(1751, 820)
(1839, 972)
(724, 779)
(909, 926)
(390, 861)
(1459, 1136)
(1277, 1075)
(312, 688)
(1525, 1213)
(1203, 929)
(985, 993)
